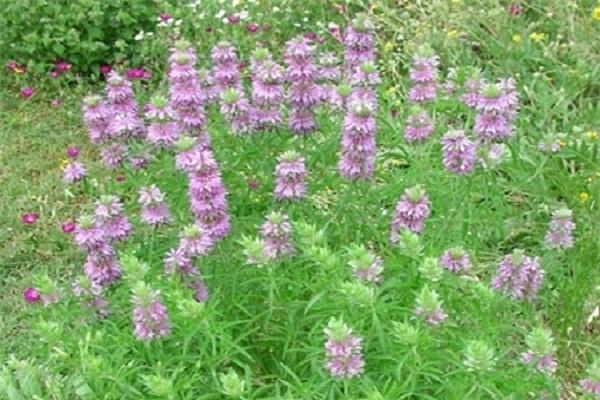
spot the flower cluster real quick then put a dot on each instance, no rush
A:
(238, 111)
(125, 122)
(74, 172)
(329, 75)
(91, 297)
(455, 260)
(96, 115)
(359, 43)
(276, 233)
(357, 159)
(411, 212)
(163, 130)
(206, 191)
(365, 265)
(423, 75)
(560, 231)
(185, 93)
(541, 351)
(290, 175)
(518, 276)
(496, 106)
(419, 126)
(179, 261)
(459, 152)
(591, 384)
(304, 94)
(429, 307)
(225, 67)
(154, 210)
(267, 89)
(150, 317)
(343, 351)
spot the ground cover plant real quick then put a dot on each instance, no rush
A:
(394, 200)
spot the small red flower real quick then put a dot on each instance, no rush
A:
(120, 178)
(105, 69)
(31, 296)
(68, 227)
(233, 19)
(73, 152)
(252, 28)
(27, 92)
(29, 218)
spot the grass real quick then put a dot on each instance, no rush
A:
(267, 324)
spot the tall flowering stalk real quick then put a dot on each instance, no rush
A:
(154, 209)
(91, 297)
(207, 193)
(267, 89)
(276, 233)
(423, 76)
(113, 155)
(97, 116)
(541, 351)
(225, 67)
(518, 276)
(359, 42)
(150, 317)
(178, 261)
(560, 231)
(357, 159)
(101, 266)
(185, 92)
(195, 241)
(163, 130)
(343, 351)
(456, 260)
(304, 94)
(419, 126)
(429, 307)
(238, 111)
(366, 266)
(110, 217)
(290, 174)
(496, 106)
(459, 152)
(412, 210)
(125, 122)
(329, 76)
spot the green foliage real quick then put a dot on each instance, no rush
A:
(86, 33)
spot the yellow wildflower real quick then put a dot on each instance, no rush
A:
(452, 34)
(537, 37)
(516, 38)
(388, 47)
(63, 164)
(583, 197)
(391, 91)
(592, 135)
(596, 13)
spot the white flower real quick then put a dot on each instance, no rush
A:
(243, 15)
(178, 22)
(225, 20)
(220, 14)
(139, 36)
(276, 9)
(149, 34)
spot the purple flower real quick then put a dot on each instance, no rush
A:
(225, 67)
(195, 241)
(74, 172)
(591, 384)
(267, 89)
(290, 174)
(518, 276)
(366, 266)
(497, 106)
(541, 351)
(276, 233)
(252, 27)
(515, 10)
(27, 92)
(150, 317)
(101, 267)
(87, 235)
(359, 42)
(459, 153)
(429, 307)
(163, 131)
(206, 191)
(238, 111)
(343, 351)
(303, 93)
(105, 69)
(96, 115)
(62, 66)
(456, 260)
(91, 297)
(411, 212)
(418, 126)
(137, 74)
(357, 159)
(110, 217)
(560, 231)
(29, 218)
(154, 210)
(32, 296)
(113, 155)
(423, 75)
(56, 103)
